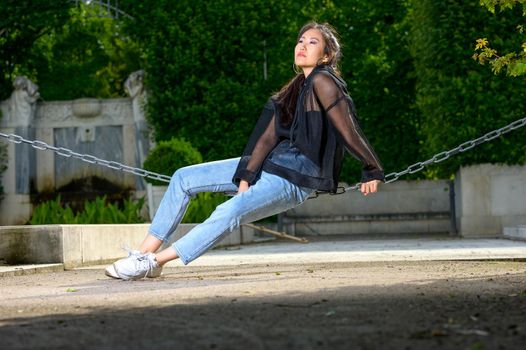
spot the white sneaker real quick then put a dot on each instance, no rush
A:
(135, 266)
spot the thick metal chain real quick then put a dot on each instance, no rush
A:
(439, 157)
(414, 168)
(64, 152)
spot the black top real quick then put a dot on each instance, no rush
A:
(309, 152)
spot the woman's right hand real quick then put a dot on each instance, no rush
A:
(243, 186)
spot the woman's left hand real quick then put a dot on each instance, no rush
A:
(369, 187)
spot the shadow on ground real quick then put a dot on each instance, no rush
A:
(458, 313)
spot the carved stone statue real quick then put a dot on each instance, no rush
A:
(134, 86)
(22, 101)
(22, 108)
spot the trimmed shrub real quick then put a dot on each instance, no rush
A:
(168, 156)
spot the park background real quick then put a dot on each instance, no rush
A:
(211, 65)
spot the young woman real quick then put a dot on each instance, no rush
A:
(296, 147)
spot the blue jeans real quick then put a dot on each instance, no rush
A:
(270, 195)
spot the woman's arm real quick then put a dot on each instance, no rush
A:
(261, 142)
(334, 102)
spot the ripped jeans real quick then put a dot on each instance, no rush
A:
(269, 196)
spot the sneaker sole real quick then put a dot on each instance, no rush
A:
(111, 272)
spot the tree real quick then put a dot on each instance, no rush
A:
(69, 51)
(89, 56)
(22, 23)
(514, 62)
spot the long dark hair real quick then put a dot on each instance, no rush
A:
(287, 97)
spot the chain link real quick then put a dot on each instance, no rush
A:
(414, 168)
(440, 157)
(90, 159)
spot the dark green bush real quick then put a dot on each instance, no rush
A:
(168, 156)
(95, 212)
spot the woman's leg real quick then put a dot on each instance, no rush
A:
(270, 195)
(186, 183)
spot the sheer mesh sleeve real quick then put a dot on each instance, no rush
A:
(262, 140)
(341, 113)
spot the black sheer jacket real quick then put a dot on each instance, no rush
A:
(324, 125)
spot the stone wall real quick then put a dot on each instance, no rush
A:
(489, 198)
(111, 129)
(421, 207)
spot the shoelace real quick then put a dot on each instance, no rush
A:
(145, 262)
(130, 251)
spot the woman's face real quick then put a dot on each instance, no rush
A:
(309, 49)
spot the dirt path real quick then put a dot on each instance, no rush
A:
(395, 305)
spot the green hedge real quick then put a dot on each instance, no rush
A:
(460, 99)
(205, 63)
(408, 65)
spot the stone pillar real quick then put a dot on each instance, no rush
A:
(22, 105)
(18, 115)
(45, 160)
(135, 88)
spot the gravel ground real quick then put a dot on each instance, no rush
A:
(379, 305)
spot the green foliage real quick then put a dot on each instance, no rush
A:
(460, 100)
(95, 212)
(168, 156)
(88, 56)
(492, 5)
(68, 50)
(514, 62)
(379, 70)
(202, 206)
(22, 23)
(205, 62)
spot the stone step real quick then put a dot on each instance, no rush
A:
(516, 232)
(19, 270)
(82, 245)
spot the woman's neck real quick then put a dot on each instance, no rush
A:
(307, 71)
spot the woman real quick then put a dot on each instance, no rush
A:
(296, 147)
